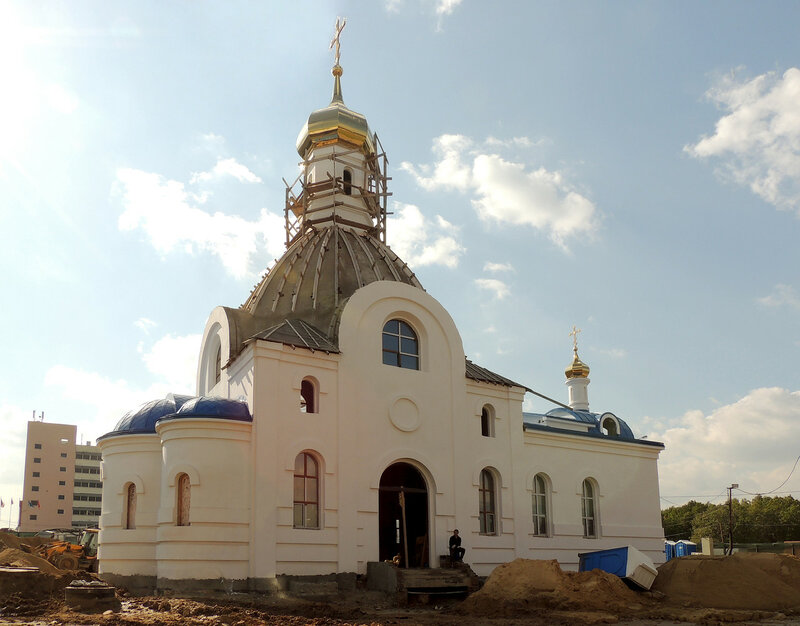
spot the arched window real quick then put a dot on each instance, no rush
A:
(589, 510)
(487, 421)
(308, 396)
(306, 491)
(347, 180)
(218, 365)
(130, 507)
(183, 499)
(400, 347)
(540, 521)
(610, 427)
(487, 501)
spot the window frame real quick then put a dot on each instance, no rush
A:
(540, 505)
(302, 521)
(347, 181)
(487, 503)
(183, 500)
(396, 356)
(129, 507)
(589, 518)
(309, 395)
(487, 420)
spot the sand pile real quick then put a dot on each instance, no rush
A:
(530, 585)
(758, 581)
(17, 558)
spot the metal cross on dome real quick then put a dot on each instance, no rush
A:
(574, 334)
(335, 41)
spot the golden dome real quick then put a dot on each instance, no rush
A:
(577, 369)
(335, 123)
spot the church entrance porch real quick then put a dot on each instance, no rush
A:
(403, 515)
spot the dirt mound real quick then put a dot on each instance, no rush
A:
(18, 558)
(32, 592)
(525, 585)
(10, 540)
(743, 581)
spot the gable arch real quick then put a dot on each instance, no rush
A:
(134, 479)
(183, 468)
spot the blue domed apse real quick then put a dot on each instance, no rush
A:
(594, 421)
(142, 421)
(220, 408)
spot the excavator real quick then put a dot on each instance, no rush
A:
(73, 556)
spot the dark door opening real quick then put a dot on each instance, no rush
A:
(405, 479)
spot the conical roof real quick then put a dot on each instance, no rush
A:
(314, 278)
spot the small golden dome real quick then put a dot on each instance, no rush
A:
(577, 369)
(335, 123)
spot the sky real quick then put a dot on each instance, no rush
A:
(631, 168)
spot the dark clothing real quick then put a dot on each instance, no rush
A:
(456, 551)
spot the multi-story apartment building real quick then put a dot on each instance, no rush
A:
(62, 486)
(87, 488)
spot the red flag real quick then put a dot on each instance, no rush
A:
(2, 504)
(38, 505)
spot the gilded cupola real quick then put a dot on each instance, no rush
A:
(335, 124)
(577, 369)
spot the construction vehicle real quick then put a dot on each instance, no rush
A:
(66, 555)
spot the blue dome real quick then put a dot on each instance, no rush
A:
(143, 420)
(206, 406)
(595, 421)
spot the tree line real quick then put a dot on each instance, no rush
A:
(760, 520)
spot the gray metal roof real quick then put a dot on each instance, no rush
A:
(476, 372)
(298, 333)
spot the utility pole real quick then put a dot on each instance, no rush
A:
(730, 516)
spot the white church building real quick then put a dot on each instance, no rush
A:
(336, 392)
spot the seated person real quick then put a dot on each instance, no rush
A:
(456, 551)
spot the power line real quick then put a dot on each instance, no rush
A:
(765, 493)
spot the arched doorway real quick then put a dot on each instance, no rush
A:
(403, 478)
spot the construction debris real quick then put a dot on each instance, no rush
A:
(705, 590)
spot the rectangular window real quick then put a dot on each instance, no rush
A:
(63, 455)
(61, 511)
(62, 469)
(35, 488)
(36, 474)
(62, 483)
(36, 459)
(33, 517)
(61, 496)
(37, 446)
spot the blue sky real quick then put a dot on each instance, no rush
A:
(630, 167)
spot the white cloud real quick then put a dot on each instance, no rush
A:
(441, 7)
(507, 192)
(497, 267)
(752, 442)
(758, 139)
(226, 167)
(418, 241)
(144, 324)
(514, 142)
(174, 361)
(12, 451)
(446, 7)
(782, 295)
(498, 287)
(615, 353)
(163, 209)
(450, 172)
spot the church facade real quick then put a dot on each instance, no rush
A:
(337, 421)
